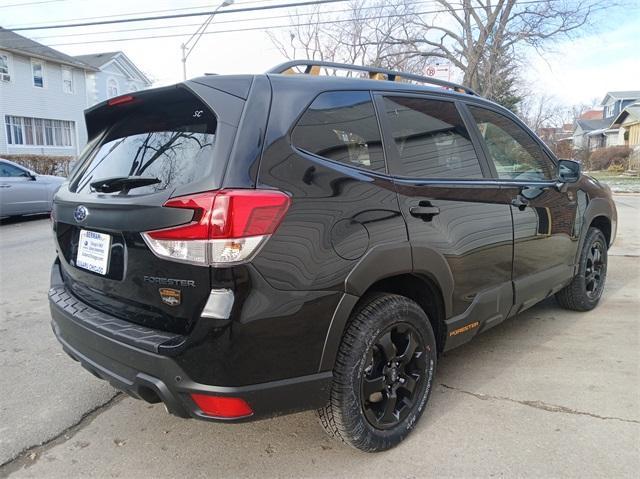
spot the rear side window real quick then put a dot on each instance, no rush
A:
(168, 138)
(342, 126)
(431, 139)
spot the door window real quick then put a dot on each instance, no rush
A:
(342, 126)
(431, 139)
(515, 154)
(7, 170)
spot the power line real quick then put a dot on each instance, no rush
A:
(30, 3)
(252, 19)
(270, 27)
(180, 15)
(119, 15)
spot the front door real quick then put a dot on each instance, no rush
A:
(455, 222)
(20, 194)
(545, 239)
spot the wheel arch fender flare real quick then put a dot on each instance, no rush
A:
(381, 262)
(597, 207)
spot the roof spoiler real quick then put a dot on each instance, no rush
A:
(312, 67)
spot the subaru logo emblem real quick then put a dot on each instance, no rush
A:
(81, 213)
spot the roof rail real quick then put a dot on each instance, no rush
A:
(312, 67)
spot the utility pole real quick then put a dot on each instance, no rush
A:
(187, 48)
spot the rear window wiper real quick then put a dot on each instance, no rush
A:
(122, 183)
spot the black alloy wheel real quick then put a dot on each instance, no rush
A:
(585, 289)
(593, 275)
(394, 372)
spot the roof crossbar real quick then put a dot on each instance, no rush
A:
(312, 67)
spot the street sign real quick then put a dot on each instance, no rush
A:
(440, 71)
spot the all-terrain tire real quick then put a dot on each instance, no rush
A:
(380, 316)
(585, 290)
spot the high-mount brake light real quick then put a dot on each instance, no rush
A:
(228, 226)
(119, 100)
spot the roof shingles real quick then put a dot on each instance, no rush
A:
(96, 60)
(13, 42)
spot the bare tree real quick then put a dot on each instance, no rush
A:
(485, 39)
(365, 35)
(542, 111)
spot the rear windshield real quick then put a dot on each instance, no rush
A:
(170, 139)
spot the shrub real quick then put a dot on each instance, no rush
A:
(616, 168)
(43, 164)
(604, 158)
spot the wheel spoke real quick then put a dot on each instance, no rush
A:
(388, 348)
(389, 414)
(407, 354)
(409, 383)
(373, 385)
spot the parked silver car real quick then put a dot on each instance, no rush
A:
(24, 192)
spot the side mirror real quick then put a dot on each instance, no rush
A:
(568, 171)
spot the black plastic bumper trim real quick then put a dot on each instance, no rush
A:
(154, 377)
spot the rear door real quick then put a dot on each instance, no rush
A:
(450, 208)
(175, 143)
(545, 237)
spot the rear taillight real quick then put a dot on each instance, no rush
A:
(228, 226)
(222, 406)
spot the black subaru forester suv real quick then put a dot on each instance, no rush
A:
(239, 247)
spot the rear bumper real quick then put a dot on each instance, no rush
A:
(155, 377)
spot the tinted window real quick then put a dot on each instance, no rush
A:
(515, 154)
(342, 126)
(9, 170)
(170, 139)
(431, 139)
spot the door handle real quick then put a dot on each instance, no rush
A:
(5, 186)
(424, 210)
(520, 202)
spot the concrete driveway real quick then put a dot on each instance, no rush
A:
(546, 394)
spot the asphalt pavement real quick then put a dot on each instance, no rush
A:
(549, 393)
(42, 392)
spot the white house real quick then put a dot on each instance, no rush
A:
(115, 75)
(590, 134)
(42, 98)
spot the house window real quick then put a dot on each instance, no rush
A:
(112, 88)
(48, 132)
(5, 73)
(37, 69)
(27, 127)
(67, 80)
(14, 130)
(39, 132)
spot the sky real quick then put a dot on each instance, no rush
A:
(604, 58)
